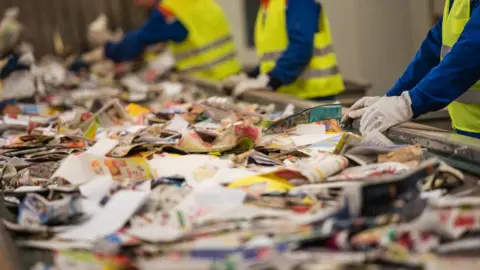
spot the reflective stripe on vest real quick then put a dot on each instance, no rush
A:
(208, 52)
(194, 52)
(320, 73)
(210, 65)
(274, 56)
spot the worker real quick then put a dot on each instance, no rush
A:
(11, 32)
(15, 56)
(294, 45)
(445, 72)
(197, 31)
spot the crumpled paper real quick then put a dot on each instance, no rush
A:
(37, 210)
(20, 84)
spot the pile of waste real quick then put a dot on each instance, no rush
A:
(124, 167)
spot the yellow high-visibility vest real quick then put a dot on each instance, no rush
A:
(209, 51)
(322, 77)
(465, 111)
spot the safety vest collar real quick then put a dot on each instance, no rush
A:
(317, 52)
(265, 3)
(194, 52)
(210, 65)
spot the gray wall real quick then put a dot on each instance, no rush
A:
(70, 17)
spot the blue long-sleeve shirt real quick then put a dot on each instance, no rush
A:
(434, 84)
(302, 18)
(158, 28)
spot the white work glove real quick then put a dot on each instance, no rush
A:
(234, 80)
(359, 108)
(261, 82)
(387, 112)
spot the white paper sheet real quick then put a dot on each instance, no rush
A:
(308, 139)
(178, 124)
(156, 233)
(55, 244)
(136, 128)
(102, 147)
(28, 189)
(77, 169)
(171, 89)
(204, 201)
(164, 166)
(313, 129)
(73, 171)
(135, 84)
(110, 218)
(97, 188)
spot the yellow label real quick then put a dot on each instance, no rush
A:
(136, 110)
(91, 131)
(274, 182)
(132, 169)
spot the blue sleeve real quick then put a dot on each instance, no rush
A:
(458, 71)
(427, 57)
(11, 66)
(302, 24)
(154, 31)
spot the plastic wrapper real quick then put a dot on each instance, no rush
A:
(37, 210)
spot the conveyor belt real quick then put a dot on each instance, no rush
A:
(461, 151)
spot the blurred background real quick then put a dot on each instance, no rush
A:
(374, 39)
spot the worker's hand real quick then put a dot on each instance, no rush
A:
(233, 81)
(359, 108)
(386, 113)
(261, 82)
